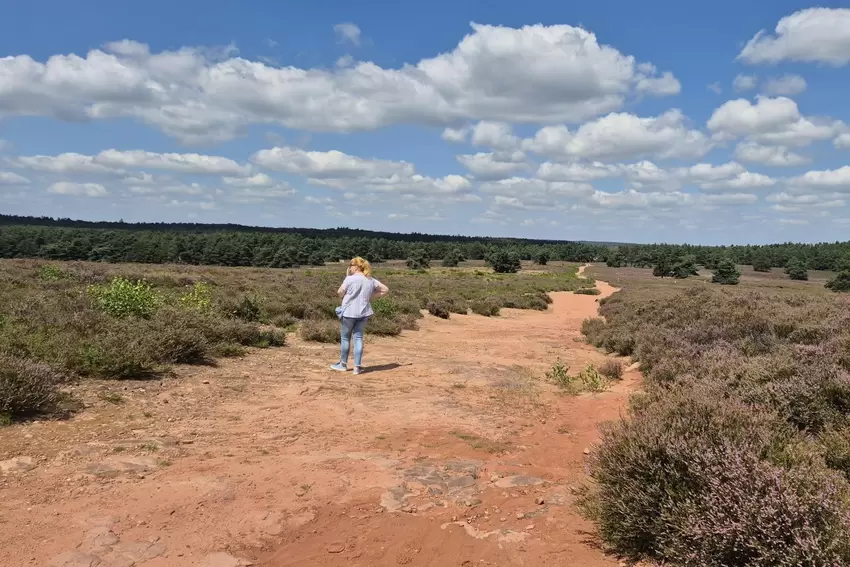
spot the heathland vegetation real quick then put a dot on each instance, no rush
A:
(62, 321)
(738, 451)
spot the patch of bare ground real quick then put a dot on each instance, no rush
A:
(451, 449)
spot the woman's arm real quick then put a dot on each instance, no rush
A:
(344, 287)
(381, 290)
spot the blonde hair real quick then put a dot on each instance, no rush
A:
(363, 265)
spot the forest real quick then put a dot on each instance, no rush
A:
(236, 245)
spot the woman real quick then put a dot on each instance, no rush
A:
(356, 291)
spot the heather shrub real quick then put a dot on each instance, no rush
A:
(593, 329)
(835, 445)
(750, 512)
(319, 331)
(728, 457)
(27, 387)
(438, 310)
(588, 291)
(387, 327)
(385, 307)
(612, 369)
(647, 468)
(246, 309)
(486, 307)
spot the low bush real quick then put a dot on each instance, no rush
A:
(840, 283)
(438, 310)
(319, 331)
(485, 307)
(124, 298)
(588, 380)
(588, 291)
(198, 298)
(51, 273)
(612, 369)
(27, 387)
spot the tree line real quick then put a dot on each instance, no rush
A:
(236, 245)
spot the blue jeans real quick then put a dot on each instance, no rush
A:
(352, 327)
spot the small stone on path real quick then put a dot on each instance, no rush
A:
(75, 559)
(17, 465)
(336, 547)
(222, 559)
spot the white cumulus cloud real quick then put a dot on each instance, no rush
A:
(819, 35)
(744, 83)
(9, 178)
(619, 136)
(786, 85)
(776, 156)
(534, 74)
(493, 165)
(78, 189)
(770, 120)
(347, 31)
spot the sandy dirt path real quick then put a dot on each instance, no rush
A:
(451, 450)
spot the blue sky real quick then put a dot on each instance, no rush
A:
(721, 122)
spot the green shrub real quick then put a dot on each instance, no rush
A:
(248, 309)
(726, 273)
(452, 258)
(542, 258)
(26, 387)
(796, 270)
(51, 273)
(198, 298)
(284, 321)
(761, 263)
(385, 307)
(840, 283)
(588, 291)
(588, 380)
(559, 374)
(123, 298)
(419, 260)
(504, 261)
(485, 307)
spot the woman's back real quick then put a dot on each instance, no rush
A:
(359, 289)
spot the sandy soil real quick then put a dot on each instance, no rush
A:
(451, 450)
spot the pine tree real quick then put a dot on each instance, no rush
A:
(840, 283)
(796, 270)
(726, 273)
(761, 263)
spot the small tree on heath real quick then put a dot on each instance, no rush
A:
(726, 273)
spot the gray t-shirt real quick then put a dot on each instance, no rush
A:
(356, 302)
